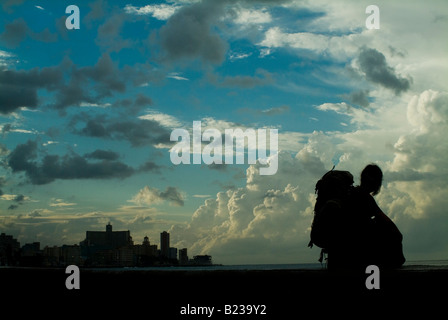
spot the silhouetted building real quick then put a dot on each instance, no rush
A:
(52, 256)
(108, 238)
(183, 256)
(124, 256)
(31, 255)
(31, 249)
(145, 249)
(107, 247)
(165, 244)
(202, 260)
(144, 254)
(9, 250)
(98, 249)
(71, 255)
(172, 253)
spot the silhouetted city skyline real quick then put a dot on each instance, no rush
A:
(99, 249)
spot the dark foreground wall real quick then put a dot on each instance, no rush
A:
(275, 294)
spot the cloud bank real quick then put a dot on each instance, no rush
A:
(268, 220)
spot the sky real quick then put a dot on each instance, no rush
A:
(86, 116)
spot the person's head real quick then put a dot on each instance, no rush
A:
(371, 179)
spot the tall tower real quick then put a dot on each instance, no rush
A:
(109, 238)
(183, 256)
(165, 244)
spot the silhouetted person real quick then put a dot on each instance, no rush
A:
(382, 238)
(362, 234)
(349, 226)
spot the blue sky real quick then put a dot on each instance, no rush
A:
(86, 116)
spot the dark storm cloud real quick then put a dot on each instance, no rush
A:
(173, 195)
(19, 88)
(19, 158)
(96, 129)
(97, 11)
(109, 33)
(133, 106)
(88, 84)
(105, 74)
(142, 101)
(14, 33)
(149, 166)
(17, 31)
(2, 183)
(24, 158)
(46, 77)
(373, 64)
(189, 33)
(102, 155)
(91, 84)
(103, 78)
(360, 98)
(18, 199)
(13, 97)
(137, 132)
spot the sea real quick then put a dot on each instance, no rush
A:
(414, 265)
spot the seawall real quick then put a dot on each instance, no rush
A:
(408, 291)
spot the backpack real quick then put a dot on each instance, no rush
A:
(333, 191)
